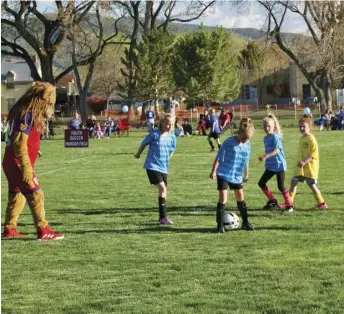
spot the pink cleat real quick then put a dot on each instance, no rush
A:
(165, 221)
(286, 208)
(321, 206)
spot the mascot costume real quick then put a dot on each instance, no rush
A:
(27, 121)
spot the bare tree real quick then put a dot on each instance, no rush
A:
(22, 22)
(324, 22)
(88, 43)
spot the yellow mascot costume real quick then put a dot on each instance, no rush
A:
(27, 121)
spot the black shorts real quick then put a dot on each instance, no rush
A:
(214, 135)
(224, 185)
(156, 177)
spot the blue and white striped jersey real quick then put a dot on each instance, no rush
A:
(159, 151)
(233, 157)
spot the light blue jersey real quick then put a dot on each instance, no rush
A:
(159, 151)
(233, 157)
(278, 162)
(215, 120)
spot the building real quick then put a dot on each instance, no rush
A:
(16, 79)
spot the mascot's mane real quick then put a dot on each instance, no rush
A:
(36, 100)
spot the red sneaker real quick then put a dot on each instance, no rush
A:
(12, 233)
(46, 234)
(321, 206)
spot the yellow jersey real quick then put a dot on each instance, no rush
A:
(308, 147)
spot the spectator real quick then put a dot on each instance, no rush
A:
(187, 128)
(98, 133)
(201, 125)
(90, 124)
(75, 123)
(4, 129)
(108, 125)
(178, 130)
(150, 119)
(224, 120)
(340, 116)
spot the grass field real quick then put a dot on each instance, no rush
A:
(116, 259)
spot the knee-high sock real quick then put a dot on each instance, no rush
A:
(211, 144)
(15, 205)
(268, 193)
(243, 210)
(36, 203)
(292, 196)
(220, 210)
(162, 207)
(319, 198)
(287, 198)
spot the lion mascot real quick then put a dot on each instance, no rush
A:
(27, 121)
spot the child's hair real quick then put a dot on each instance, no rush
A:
(306, 118)
(246, 128)
(165, 118)
(278, 129)
(211, 111)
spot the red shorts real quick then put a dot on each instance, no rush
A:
(15, 180)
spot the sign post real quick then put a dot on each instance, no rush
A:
(76, 138)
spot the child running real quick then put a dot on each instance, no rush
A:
(162, 143)
(215, 131)
(228, 167)
(275, 163)
(308, 163)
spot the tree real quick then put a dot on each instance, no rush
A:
(205, 67)
(88, 42)
(324, 19)
(153, 64)
(22, 22)
(146, 16)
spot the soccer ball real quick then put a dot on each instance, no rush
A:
(125, 108)
(231, 221)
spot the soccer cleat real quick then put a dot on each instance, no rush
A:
(286, 208)
(247, 226)
(47, 234)
(165, 221)
(271, 204)
(12, 233)
(220, 229)
(212, 150)
(321, 206)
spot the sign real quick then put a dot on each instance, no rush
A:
(76, 138)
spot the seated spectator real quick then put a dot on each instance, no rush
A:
(201, 125)
(98, 133)
(108, 125)
(178, 130)
(187, 128)
(4, 129)
(75, 123)
(90, 124)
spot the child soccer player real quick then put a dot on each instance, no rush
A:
(275, 163)
(215, 131)
(229, 164)
(162, 144)
(308, 163)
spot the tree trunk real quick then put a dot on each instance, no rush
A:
(83, 105)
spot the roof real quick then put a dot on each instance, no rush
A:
(63, 82)
(20, 68)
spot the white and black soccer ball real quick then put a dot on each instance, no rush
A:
(231, 221)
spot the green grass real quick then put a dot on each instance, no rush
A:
(116, 259)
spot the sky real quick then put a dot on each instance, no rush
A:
(226, 14)
(253, 15)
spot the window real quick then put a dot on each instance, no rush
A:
(306, 91)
